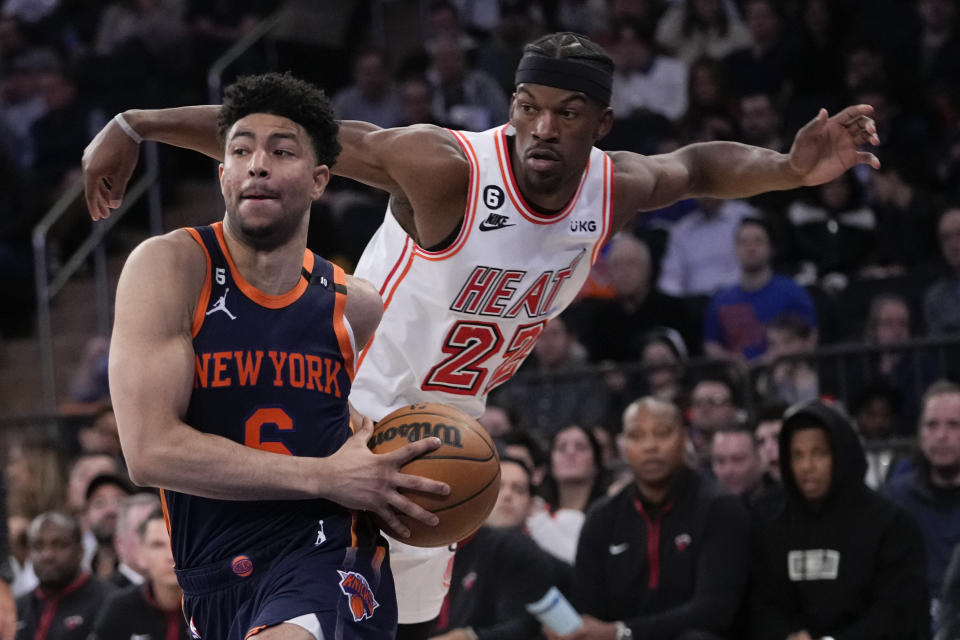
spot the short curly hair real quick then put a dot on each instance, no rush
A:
(283, 95)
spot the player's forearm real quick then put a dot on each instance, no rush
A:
(192, 127)
(735, 170)
(183, 459)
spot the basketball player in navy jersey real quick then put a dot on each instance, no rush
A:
(530, 198)
(230, 366)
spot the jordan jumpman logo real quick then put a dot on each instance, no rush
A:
(222, 305)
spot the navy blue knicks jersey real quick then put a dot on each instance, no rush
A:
(274, 373)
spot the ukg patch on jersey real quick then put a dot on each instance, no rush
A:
(359, 595)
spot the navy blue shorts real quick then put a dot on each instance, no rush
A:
(349, 589)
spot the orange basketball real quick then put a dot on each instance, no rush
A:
(467, 461)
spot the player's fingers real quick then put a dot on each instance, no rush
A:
(419, 483)
(392, 523)
(406, 506)
(865, 157)
(413, 450)
(854, 112)
(364, 430)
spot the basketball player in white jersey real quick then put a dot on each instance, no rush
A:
(489, 235)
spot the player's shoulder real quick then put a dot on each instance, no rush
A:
(174, 255)
(427, 137)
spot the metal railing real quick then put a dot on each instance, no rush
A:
(46, 288)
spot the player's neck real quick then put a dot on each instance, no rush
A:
(273, 271)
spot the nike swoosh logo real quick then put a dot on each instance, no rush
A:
(491, 227)
(617, 549)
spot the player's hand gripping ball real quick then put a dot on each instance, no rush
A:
(467, 461)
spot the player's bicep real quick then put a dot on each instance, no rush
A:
(151, 352)
(645, 183)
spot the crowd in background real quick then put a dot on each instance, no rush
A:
(720, 313)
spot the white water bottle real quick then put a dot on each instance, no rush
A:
(556, 613)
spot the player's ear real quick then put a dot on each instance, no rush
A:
(321, 177)
(220, 172)
(605, 124)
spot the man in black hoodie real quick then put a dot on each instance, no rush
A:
(835, 560)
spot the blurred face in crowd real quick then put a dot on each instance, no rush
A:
(55, 551)
(572, 456)
(940, 433)
(370, 74)
(875, 419)
(633, 53)
(156, 555)
(416, 98)
(892, 323)
(514, 500)
(662, 364)
(736, 461)
(706, 10)
(782, 341)
(767, 436)
(629, 266)
(84, 470)
(127, 539)
(753, 248)
(936, 14)
(654, 441)
(758, 119)
(948, 230)
(763, 22)
(811, 459)
(102, 508)
(712, 407)
(496, 421)
(448, 60)
(553, 347)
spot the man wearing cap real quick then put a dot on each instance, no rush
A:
(836, 559)
(104, 495)
(489, 235)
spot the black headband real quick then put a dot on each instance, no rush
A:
(566, 74)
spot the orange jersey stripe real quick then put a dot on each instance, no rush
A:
(343, 338)
(200, 312)
(254, 631)
(261, 298)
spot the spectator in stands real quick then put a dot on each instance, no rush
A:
(737, 464)
(813, 73)
(443, 22)
(371, 97)
(496, 420)
(498, 570)
(876, 411)
(23, 102)
(60, 135)
(153, 24)
(667, 556)
(759, 121)
(101, 435)
(217, 24)
(575, 480)
(67, 600)
(89, 385)
(761, 66)
(837, 560)
(645, 79)
(789, 378)
(694, 28)
(133, 512)
(550, 395)
(941, 304)
(150, 609)
(715, 405)
(8, 608)
(35, 476)
(769, 421)
(937, 52)
(104, 496)
(707, 89)
(737, 316)
(416, 102)
(499, 56)
(85, 468)
(833, 233)
(909, 372)
(466, 98)
(931, 491)
(699, 259)
(637, 308)
(663, 357)
(522, 445)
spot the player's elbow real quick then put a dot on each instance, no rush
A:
(145, 463)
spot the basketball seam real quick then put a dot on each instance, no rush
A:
(473, 495)
(443, 415)
(465, 458)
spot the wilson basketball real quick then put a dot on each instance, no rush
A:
(467, 461)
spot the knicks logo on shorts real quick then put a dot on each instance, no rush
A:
(359, 595)
(242, 566)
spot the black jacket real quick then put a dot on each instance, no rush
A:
(133, 613)
(495, 574)
(851, 567)
(67, 615)
(680, 567)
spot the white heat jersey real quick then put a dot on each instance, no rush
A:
(459, 322)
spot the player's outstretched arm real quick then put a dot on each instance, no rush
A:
(822, 150)
(151, 380)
